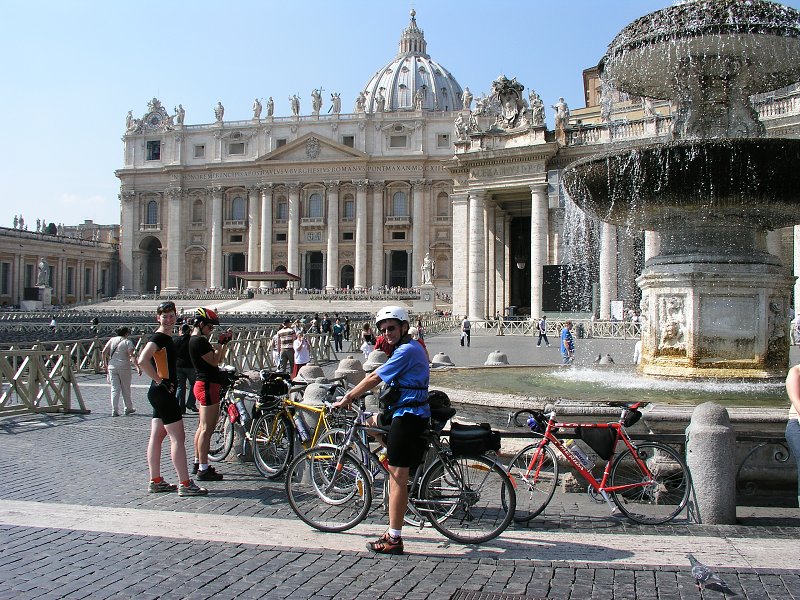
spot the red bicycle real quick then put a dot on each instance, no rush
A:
(647, 481)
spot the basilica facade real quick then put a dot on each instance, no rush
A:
(419, 168)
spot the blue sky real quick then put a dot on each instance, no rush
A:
(72, 70)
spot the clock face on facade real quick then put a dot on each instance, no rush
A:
(154, 120)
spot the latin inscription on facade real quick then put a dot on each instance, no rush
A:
(507, 170)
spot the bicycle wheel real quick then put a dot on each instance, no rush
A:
(469, 499)
(535, 475)
(222, 436)
(646, 500)
(324, 497)
(273, 446)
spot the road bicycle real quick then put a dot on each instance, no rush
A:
(276, 429)
(647, 481)
(469, 499)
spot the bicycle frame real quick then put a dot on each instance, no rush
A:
(601, 487)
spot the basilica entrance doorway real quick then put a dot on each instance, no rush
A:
(236, 262)
(398, 269)
(151, 262)
(314, 270)
(348, 277)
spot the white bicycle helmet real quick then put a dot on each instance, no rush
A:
(391, 312)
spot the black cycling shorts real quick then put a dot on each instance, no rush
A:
(165, 405)
(405, 443)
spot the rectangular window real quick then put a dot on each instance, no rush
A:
(280, 142)
(282, 214)
(398, 235)
(200, 151)
(236, 239)
(154, 150)
(349, 140)
(236, 148)
(349, 211)
(70, 281)
(347, 236)
(443, 140)
(280, 237)
(87, 282)
(398, 141)
(5, 278)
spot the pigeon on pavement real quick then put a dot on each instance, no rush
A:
(706, 578)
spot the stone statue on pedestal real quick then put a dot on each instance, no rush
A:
(428, 267)
(43, 276)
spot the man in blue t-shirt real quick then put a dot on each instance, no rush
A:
(407, 371)
(567, 344)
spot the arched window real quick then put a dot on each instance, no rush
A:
(315, 206)
(197, 268)
(442, 205)
(152, 213)
(399, 204)
(197, 211)
(238, 209)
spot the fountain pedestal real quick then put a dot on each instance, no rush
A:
(725, 321)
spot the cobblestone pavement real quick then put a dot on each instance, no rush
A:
(76, 522)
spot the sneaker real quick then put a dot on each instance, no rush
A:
(130, 411)
(210, 474)
(161, 486)
(114, 413)
(195, 468)
(191, 490)
(386, 544)
(193, 409)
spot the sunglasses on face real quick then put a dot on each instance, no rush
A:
(388, 328)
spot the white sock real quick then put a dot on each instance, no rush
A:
(204, 467)
(396, 533)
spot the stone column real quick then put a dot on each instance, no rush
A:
(129, 225)
(501, 226)
(652, 245)
(361, 235)
(293, 231)
(79, 279)
(797, 269)
(378, 275)
(332, 262)
(417, 232)
(175, 245)
(215, 268)
(266, 230)
(608, 269)
(491, 261)
(475, 263)
(253, 259)
(460, 253)
(626, 268)
(540, 229)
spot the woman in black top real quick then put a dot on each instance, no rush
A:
(206, 359)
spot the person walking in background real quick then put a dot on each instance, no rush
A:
(338, 332)
(567, 344)
(286, 337)
(543, 332)
(414, 333)
(793, 426)
(186, 370)
(367, 340)
(118, 356)
(206, 360)
(302, 353)
(466, 328)
(157, 361)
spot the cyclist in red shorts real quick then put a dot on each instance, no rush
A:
(157, 361)
(206, 359)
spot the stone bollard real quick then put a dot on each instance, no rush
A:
(710, 456)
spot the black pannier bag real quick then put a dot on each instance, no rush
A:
(599, 439)
(473, 440)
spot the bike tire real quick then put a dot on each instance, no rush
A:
(534, 472)
(273, 444)
(469, 499)
(662, 500)
(323, 497)
(222, 436)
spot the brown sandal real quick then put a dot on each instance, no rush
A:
(386, 544)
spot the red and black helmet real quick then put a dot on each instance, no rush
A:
(205, 315)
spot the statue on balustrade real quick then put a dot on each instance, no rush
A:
(257, 109)
(270, 107)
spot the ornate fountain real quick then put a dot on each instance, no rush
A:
(716, 301)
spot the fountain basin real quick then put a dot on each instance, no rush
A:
(746, 182)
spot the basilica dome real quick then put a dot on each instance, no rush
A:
(412, 79)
